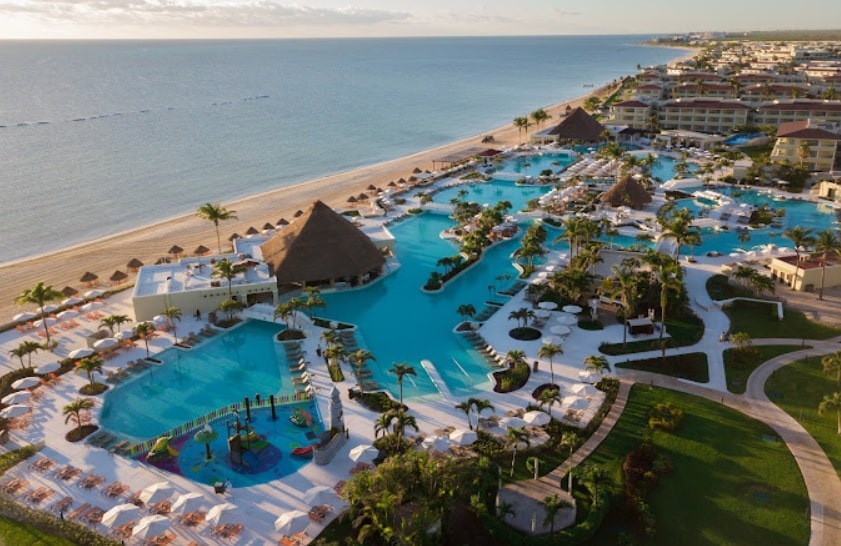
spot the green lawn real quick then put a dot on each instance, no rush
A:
(19, 534)
(797, 389)
(692, 366)
(682, 331)
(737, 373)
(759, 320)
(733, 482)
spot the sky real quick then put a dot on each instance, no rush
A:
(158, 19)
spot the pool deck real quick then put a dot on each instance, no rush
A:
(261, 504)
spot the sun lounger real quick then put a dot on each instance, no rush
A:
(79, 511)
(192, 519)
(95, 437)
(317, 513)
(163, 507)
(39, 495)
(119, 446)
(161, 540)
(124, 531)
(90, 481)
(14, 485)
(340, 485)
(62, 505)
(94, 515)
(43, 464)
(115, 490)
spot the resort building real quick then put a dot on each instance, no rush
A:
(632, 113)
(777, 112)
(703, 115)
(189, 284)
(808, 272)
(803, 143)
(830, 190)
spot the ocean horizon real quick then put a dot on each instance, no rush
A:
(98, 138)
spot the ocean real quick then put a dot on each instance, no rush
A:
(101, 137)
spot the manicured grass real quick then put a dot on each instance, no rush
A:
(738, 372)
(760, 320)
(797, 389)
(733, 481)
(682, 332)
(19, 534)
(692, 366)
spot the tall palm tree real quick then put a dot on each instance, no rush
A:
(145, 331)
(226, 269)
(359, 357)
(832, 364)
(826, 242)
(522, 124)
(75, 411)
(669, 279)
(313, 299)
(515, 436)
(596, 478)
(466, 407)
(480, 405)
(402, 420)
(112, 321)
(803, 152)
(382, 424)
(20, 352)
(216, 213)
(570, 440)
(801, 238)
(549, 351)
(91, 364)
(466, 310)
(26, 348)
(401, 369)
(552, 505)
(173, 314)
(284, 311)
(832, 403)
(39, 295)
(515, 357)
(550, 397)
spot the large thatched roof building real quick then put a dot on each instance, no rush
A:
(626, 192)
(577, 126)
(321, 246)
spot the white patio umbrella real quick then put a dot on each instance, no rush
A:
(90, 294)
(40, 322)
(107, 343)
(90, 306)
(574, 309)
(589, 377)
(67, 314)
(560, 330)
(364, 453)
(320, 494)
(537, 418)
(575, 403)
(81, 353)
(463, 437)
(151, 526)
(49, 367)
(436, 443)
(552, 340)
(548, 305)
(72, 301)
(543, 313)
(26, 383)
(21, 317)
(222, 514)
(125, 334)
(155, 493)
(160, 319)
(188, 502)
(14, 411)
(291, 522)
(120, 515)
(16, 398)
(512, 422)
(51, 308)
(582, 389)
(566, 319)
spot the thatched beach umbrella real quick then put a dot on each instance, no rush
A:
(401, 181)
(133, 265)
(118, 277)
(362, 196)
(175, 250)
(252, 231)
(351, 199)
(371, 187)
(201, 250)
(268, 225)
(417, 170)
(162, 260)
(69, 291)
(89, 278)
(298, 213)
(283, 222)
(413, 178)
(233, 236)
(392, 183)
(380, 190)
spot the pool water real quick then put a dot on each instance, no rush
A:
(492, 193)
(533, 165)
(192, 382)
(742, 138)
(664, 168)
(268, 457)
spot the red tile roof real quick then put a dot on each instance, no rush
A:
(631, 104)
(825, 106)
(699, 104)
(801, 129)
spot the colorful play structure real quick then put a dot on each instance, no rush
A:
(162, 446)
(301, 418)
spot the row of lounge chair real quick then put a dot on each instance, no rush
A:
(485, 349)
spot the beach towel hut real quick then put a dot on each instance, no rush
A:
(118, 277)
(133, 265)
(201, 250)
(175, 251)
(69, 291)
(89, 278)
(626, 193)
(402, 181)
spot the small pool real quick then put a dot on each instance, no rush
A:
(192, 382)
(740, 139)
(267, 453)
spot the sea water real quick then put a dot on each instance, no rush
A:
(100, 137)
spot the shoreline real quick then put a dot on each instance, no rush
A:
(149, 242)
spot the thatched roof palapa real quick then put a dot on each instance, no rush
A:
(201, 250)
(88, 277)
(578, 125)
(351, 199)
(283, 222)
(175, 249)
(298, 213)
(252, 231)
(362, 196)
(267, 225)
(321, 245)
(134, 264)
(371, 187)
(626, 192)
(392, 183)
(233, 236)
(118, 276)
(69, 291)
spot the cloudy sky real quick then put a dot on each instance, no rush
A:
(340, 18)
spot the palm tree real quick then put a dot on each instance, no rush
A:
(173, 314)
(539, 116)
(115, 320)
(216, 213)
(801, 238)
(359, 357)
(832, 364)
(284, 311)
(76, 410)
(832, 403)
(826, 242)
(513, 439)
(466, 407)
(20, 351)
(400, 370)
(313, 299)
(480, 405)
(466, 310)
(226, 269)
(552, 505)
(549, 351)
(596, 363)
(803, 152)
(382, 424)
(521, 123)
(401, 421)
(145, 331)
(667, 275)
(570, 440)
(91, 364)
(595, 478)
(26, 348)
(515, 357)
(40, 295)
(230, 307)
(550, 397)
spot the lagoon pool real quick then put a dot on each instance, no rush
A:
(493, 192)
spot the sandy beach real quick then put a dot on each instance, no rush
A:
(148, 243)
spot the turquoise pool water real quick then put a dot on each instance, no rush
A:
(664, 168)
(742, 138)
(224, 369)
(493, 192)
(533, 165)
